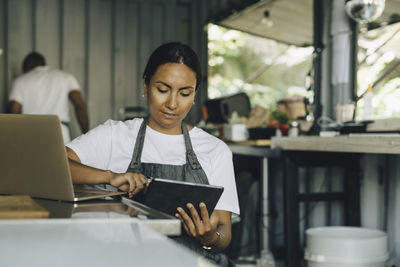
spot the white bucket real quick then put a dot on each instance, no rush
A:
(345, 247)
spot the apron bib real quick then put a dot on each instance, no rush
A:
(191, 171)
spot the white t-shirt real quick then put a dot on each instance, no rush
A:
(45, 91)
(110, 147)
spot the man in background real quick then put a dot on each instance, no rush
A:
(42, 90)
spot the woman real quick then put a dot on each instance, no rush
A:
(124, 153)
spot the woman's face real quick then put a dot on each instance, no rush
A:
(170, 94)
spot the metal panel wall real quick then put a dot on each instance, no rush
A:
(19, 39)
(3, 61)
(99, 61)
(105, 44)
(47, 34)
(127, 78)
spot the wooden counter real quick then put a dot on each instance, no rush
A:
(375, 144)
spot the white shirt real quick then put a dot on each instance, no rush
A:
(110, 147)
(45, 91)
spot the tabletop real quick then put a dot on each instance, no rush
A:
(356, 143)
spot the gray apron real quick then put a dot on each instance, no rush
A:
(191, 171)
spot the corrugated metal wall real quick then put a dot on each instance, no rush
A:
(104, 43)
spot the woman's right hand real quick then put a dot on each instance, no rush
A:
(129, 182)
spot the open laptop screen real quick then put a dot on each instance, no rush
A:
(33, 158)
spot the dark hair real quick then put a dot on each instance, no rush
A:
(33, 60)
(173, 52)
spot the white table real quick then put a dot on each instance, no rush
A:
(89, 242)
(125, 209)
(95, 233)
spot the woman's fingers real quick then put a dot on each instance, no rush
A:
(202, 228)
(139, 182)
(187, 221)
(124, 187)
(136, 182)
(193, 212)
(129, 182)
(183, 223)
(204, 213)
(196, 226)
(198, 222)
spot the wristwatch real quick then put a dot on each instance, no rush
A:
(210, 247)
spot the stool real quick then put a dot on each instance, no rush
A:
(350, 196)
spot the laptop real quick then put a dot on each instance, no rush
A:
(33, 160)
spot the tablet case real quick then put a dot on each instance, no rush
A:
(167, 195)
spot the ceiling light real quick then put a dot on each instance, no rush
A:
(266, 20)
(364, 11)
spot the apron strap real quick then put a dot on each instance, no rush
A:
(190, 155)
(135, 165)
(191, 158)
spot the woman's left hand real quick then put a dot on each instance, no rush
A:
(202, 228)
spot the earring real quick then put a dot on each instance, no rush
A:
(143, 95)
(194, 102)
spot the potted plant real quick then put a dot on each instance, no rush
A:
(279, 120)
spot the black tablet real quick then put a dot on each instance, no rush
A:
(167, 195)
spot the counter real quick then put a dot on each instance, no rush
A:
(356, 143)
(88, 242)
(95, 233)
(315, 151)
(124, 209)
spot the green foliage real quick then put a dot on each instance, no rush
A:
(280, 116)
(235, 56)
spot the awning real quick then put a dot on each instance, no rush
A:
(286, 21)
